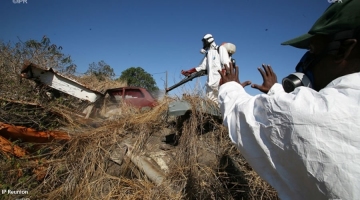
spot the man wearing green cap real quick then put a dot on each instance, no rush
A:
(303, 137)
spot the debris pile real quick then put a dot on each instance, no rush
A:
(52, 151)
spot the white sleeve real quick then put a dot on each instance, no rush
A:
(224, 56)
(297, 141)
(276, 88)
(202, 65)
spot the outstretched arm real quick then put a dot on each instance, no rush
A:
(201, 67)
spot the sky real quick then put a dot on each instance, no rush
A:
(165, 35)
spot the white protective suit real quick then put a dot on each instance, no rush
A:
(306, 144)
(212, 62)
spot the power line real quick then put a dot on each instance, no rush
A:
(158, 73)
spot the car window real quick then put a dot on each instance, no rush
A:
(116, 95)
(133, 93)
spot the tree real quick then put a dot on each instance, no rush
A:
(44, 54)
(40, 52)
(137, 76)
(101, 70)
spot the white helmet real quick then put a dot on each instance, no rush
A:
(207, 40)
(230, 47)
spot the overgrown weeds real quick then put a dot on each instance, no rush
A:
(203, 165)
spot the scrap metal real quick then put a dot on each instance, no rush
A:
(59, 82)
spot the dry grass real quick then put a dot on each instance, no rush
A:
(204, 164)
(94, 83)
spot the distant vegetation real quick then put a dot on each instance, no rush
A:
(137, 76)
(45, 54)
(101, 70)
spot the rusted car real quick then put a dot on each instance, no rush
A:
(134, 96)
(115, 100)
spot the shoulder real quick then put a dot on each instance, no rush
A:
(222, 47)
(219, 48)
(223, 51)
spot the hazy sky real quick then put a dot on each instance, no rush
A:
(165, 35)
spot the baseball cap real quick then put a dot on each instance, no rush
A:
(339, 16)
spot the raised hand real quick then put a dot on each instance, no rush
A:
(269, 79)
(231, 74)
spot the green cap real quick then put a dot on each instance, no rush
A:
(339, 16)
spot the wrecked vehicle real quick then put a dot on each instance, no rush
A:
(106, 104)
(137, 97)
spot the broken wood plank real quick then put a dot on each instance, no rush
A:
(31, 135)
(8, 147)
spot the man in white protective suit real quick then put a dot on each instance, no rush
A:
(303, 137)
(214, 60)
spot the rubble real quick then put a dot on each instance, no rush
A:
(123, 157)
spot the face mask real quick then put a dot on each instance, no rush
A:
(205, 46)
(205, 43)
(303, 76)
(203, 51)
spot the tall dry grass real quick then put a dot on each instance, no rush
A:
(91, 81)
(82, 168)
(203, 165)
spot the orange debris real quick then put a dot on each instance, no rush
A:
(31, 135)
(7, 147)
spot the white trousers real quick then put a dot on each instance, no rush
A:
(212, 93)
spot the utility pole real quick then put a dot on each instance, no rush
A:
(166, 80)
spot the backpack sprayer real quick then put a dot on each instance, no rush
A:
(231, 48)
